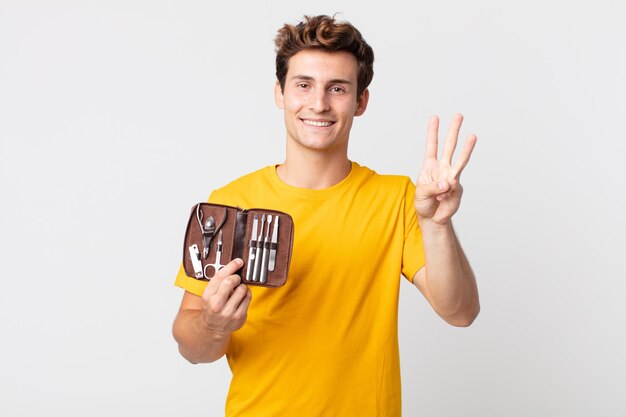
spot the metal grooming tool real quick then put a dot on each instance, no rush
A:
(207, 236)
(257, 265)
(273, 245)
(266, 251)
(207, 229)
(195, 260)
(251, 254)
(218, 257)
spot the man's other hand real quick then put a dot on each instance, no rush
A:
(226, 300)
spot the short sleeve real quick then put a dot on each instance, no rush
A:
(194, 286)
(413, 253)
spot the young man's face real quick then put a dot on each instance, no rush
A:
(319, 99)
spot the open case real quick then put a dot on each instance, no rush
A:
(217, 234)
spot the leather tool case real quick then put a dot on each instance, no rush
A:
(217, 234)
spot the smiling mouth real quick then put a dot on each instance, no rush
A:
(317, 123)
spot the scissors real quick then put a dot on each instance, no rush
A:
(218, 257)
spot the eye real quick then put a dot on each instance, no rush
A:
(302, 85)
(337, 90)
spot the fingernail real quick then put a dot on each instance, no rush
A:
(239, 261)
(442, 185)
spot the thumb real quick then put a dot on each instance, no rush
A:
(424, 191)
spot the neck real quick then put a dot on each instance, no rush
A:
(314, 169)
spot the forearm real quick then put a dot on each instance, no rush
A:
(196, 342)
(448, 276)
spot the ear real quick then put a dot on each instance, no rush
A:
(361, 103)
(279, 98)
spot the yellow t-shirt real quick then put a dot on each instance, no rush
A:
(325, 343)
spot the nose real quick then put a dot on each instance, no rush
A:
(318, 101)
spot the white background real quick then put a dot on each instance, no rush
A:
(117, 116)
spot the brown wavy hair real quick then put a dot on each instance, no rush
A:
(325, 33)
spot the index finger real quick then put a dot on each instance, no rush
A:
(228, 270)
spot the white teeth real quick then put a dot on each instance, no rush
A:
(318, 124)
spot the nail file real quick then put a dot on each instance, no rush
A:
(251, 254)
(266, 251)
(257, 265)
(273, 245)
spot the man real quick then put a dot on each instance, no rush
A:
(325, 344)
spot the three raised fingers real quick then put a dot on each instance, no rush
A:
(450, 144)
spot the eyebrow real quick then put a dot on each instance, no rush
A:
(309, 78)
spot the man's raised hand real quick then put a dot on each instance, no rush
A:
(438, 191)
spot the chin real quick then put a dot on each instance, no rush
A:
(319, 145)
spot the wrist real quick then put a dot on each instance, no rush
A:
(210, 330)
(430, 226)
